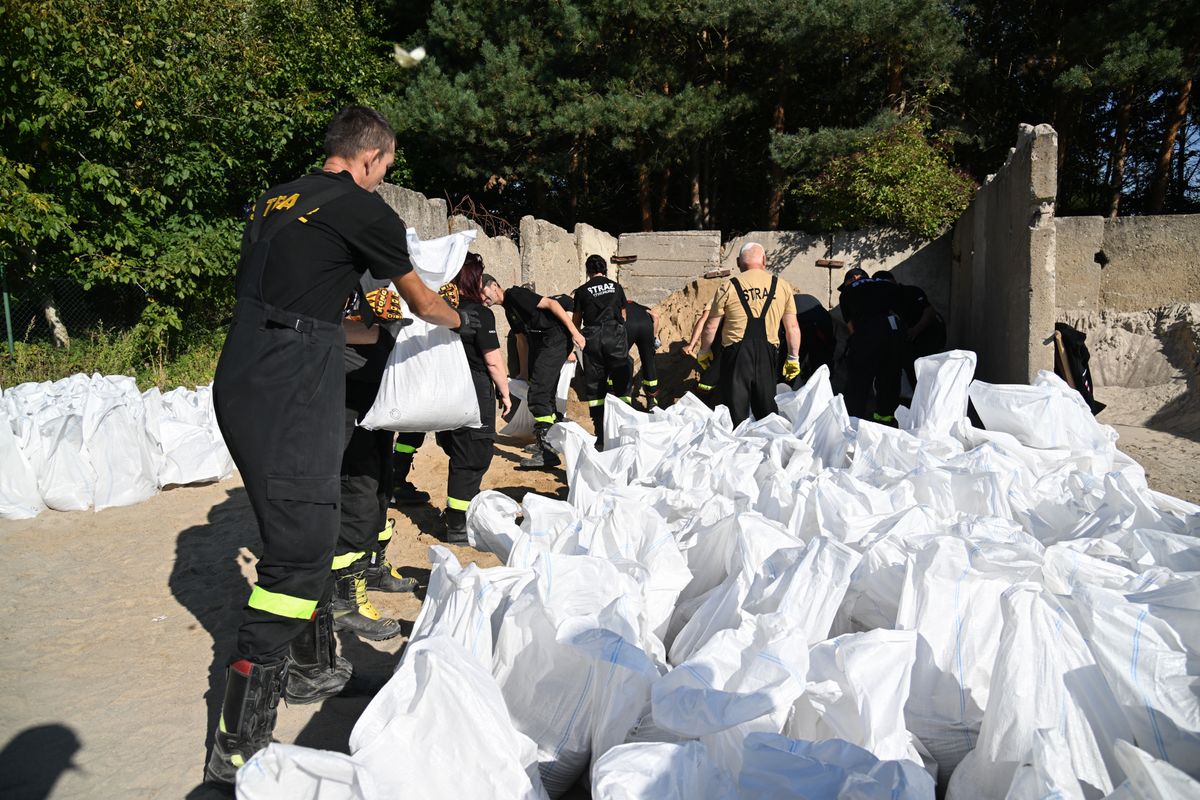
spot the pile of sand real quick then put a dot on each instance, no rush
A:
(1146, 365)
(677, 315)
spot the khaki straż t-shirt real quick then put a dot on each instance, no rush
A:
(755, 283)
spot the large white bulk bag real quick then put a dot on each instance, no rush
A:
(19, 495)
(777, 767)
(427, 384)
(660, 771)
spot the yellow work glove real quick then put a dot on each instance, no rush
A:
(704, 359)
(791, 368)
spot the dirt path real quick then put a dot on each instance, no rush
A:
(116, 628)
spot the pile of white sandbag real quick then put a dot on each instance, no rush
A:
(98, 442)
(807, 606)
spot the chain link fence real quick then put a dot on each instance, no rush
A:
(62, 309)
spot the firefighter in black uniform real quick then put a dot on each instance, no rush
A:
(641, 330)
(876, 348)
(550, 332)
(279, 394)
(752, 308)
(360, 557)
(817, 338)
(926, 328)
(470, 449)
(600, 314)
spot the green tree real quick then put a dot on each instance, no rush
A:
(135, 132)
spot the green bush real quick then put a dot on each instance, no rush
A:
(110, 352)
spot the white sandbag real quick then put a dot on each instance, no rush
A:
(1048, 414)
(660, 771)
(114, 433)
(1046, 771)
(830, 434)
(742, 680)
(568, 663)
(460, 602)
(1047, 679)
(951, 598)
(491, 523)
(1151, 779)
(776, 767)
(519, 422)
(66, 479)
(302, 773)
(186, 432)
(864, 680)
(19, 495)
(618, 416)
(940, 398)
(427, 384)
(802, 407)
(440, 705)
(1148, 647)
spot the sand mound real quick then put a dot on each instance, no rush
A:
(678, 313)
(1146, 365)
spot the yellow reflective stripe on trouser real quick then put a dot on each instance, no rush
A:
(650, 383)
(626, 398)
(594, 403)
(704, 386)
(385, 535)
(281, 605)
(405, 448)
(456, 504)
(547, 418)
(345, 560)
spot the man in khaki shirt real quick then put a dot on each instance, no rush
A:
(752, 306)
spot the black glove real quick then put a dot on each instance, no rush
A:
(468, 322)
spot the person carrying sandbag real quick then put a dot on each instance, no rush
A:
(279, 393)
(600, 313)
(550, 332)
(754, 307)
(470, 449)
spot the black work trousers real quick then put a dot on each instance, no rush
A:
(366, 478)
(605, 361)
(640, 333)
(470, 449)
(279, 394)
(548, 351)
(747, 383)
(875, 357)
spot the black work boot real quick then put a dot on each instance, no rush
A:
(456, 526)
(317, 671)
(403, 492)
(545, 457)
(382, 576)
(248, 714)
(352, 611)
(597, 413)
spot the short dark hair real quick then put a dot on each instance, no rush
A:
(356, 129)
(884, 275)
(596, 265)
(487, 280)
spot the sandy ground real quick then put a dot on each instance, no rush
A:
(116, 626)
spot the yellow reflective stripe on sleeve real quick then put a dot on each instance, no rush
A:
(547, 418)
(594, 403)
(704, 386)
(650, 383)
(343, 561)
(626, 398)
(456, 504)
(405, 448)
(281, 605)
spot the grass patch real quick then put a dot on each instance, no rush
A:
(190, 361)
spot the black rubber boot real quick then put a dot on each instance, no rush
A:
(532, 447)
(456, 526)
(597, 413)
(248, 715)
(352, 611)
(403, 492)
(545, 457)
(317, 671)
(383, 577)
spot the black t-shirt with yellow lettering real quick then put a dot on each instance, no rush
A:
(315, 262)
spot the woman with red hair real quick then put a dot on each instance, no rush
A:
(470, 449)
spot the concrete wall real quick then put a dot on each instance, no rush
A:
(593, 241)
(549, 257)
(666, 261)
(1002, 281)
(1149, 262)
(417, 211)
(794, 255)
